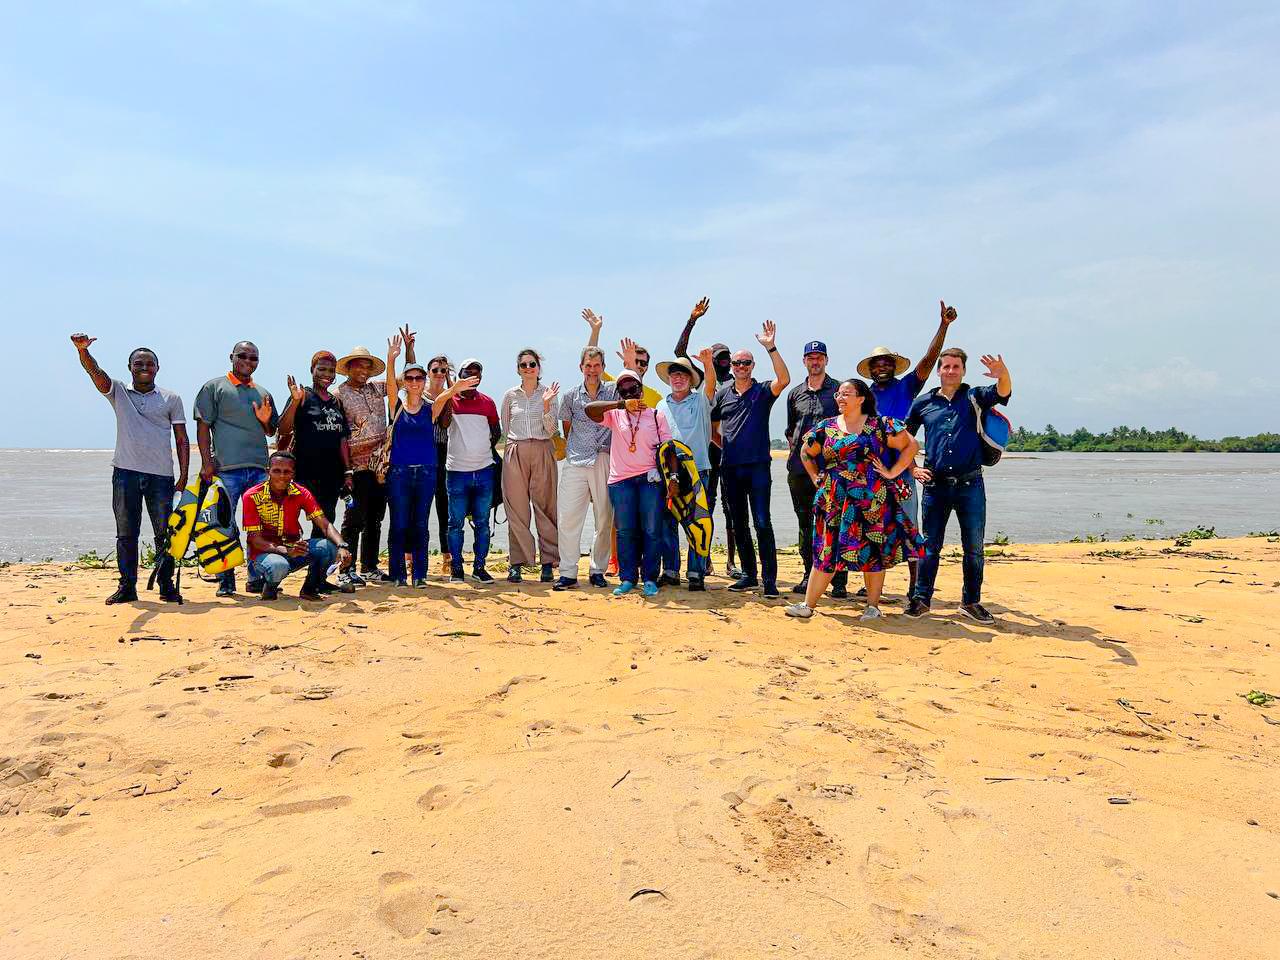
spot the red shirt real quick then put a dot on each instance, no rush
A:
(278, 520)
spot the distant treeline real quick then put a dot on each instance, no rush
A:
(1142, 440)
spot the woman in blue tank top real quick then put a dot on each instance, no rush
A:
(411, 479)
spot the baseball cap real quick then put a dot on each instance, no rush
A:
(718, 348)
(815, 346)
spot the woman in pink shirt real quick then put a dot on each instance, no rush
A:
(634, 486)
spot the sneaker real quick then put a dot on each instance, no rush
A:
(482, 576)
(650, 589)
(356, 580)
(513, 575)
(346, 586)
(800, 610)
(455, 575)
(743, 583)
(270, 591)
(375, 576)
(976, 611)
(226, 590)
(733, 573)
(420, 583)
(917, 608)
(547, 574)
(872, 612)
(670, 579)
(402, 582)
(598, 580)
(802, 587)
(697, 585)
(622, 589)
(327, 587)
(565, 583)
(124, 594)
(770, 590)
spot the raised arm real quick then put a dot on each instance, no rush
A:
(409, 338)
(768, 337)
(393, 388)
(598, 408)
(1000, 373)
(595, 323)
(699, 308)
(100, 379)
(925, 367)
(708, 373)
(297, 395)
(445, 399)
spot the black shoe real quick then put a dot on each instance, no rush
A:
(744, 583)
(125, 593)
(801, 587)
(482, 576)
(860, 592)
(327, 587)
(696, 585)
(840, 593)
(547, 574)
(513, 574)
(374, 576)
(770, 590)
(565, 583)
(169, 593)
(310, 591)
(270, 591)
(254, 586)
(455, 575)
(976, 611)
(917, 608)
(598, 580)
(670, 579)
(226, 590)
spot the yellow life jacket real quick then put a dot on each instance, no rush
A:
(205, 518)
(689, 506)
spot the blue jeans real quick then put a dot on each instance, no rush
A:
(749, 484)
(320, 556)
(470, 495)
(409, 491)
(697, 566)
(637, 515)
(236, 482)
(129, 491)
(969, 501)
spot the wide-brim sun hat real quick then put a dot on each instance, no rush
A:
(900, 363)
(361, 353)
(664, 369)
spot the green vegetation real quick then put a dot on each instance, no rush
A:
(1198, 532)
(1142, 440)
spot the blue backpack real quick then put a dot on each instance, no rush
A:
(994, 428)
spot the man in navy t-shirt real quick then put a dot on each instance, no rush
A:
(740, 425)
(895, 386)
(952, 473)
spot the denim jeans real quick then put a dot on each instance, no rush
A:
(969, 501)
(696, 565)
(802, 494)
(236, 482)
(129, 491)
(320, 556)
(470, 495)
(637, 515)
(409, 491)
(748, 484)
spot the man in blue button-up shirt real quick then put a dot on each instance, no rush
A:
(952, 473)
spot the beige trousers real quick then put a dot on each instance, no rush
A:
(581, 487)
(529, 478)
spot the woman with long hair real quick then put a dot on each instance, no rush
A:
(528, 420)
(859, 520)
(439, 379)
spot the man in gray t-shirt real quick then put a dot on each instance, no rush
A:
(142, 467)
(234, 417)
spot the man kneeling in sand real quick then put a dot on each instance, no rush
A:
(272, 513)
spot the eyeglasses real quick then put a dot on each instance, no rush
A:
(245, 356)
(440, 371)
(741, 363)
(528, 364)
(413, 378)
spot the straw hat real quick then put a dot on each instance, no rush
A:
(900, 363)
(680, 363)
(361, 353)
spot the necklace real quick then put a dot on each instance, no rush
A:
(633, 425)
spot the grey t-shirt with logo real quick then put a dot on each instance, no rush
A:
(144, 426)
(238, 440)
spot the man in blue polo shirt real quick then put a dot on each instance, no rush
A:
(952, 473)
(895, 387)
(740, 425)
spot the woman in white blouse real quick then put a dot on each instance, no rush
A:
(529, 467)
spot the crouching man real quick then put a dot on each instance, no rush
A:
(273, 512)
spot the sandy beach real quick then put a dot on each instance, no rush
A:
(500, 773)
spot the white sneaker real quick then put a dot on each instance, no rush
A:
(801, 610)
(872, 612)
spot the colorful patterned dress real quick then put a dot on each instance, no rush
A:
(859, 523)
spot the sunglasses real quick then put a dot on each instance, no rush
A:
(741, 363)
(414, 377)
(528, 365)
(440, 371)
(245, 356)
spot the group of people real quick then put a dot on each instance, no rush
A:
(394, 437)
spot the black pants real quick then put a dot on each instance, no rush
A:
(748, 485)
(362, 525)
(711, 485)
(325, 484)
(802, 493)
(442, 496)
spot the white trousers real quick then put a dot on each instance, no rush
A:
(580, 486)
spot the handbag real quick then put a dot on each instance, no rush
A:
(559, 446)
(384, 455)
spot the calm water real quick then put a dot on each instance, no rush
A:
(57, 503)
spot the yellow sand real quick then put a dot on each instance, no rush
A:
(501, 773)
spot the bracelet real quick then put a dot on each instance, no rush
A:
(349, 473)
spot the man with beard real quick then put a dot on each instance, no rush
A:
(895, 387)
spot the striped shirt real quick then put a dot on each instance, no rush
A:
(522, 416)
(587, 439)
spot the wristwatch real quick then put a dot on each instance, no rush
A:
(772, 350)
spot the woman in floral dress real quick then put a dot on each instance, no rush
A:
(859, 523)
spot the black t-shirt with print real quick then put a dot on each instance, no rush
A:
(319, 427)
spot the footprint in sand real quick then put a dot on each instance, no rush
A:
(407, 908)
(303, 806)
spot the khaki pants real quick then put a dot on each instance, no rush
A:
(580, 486)
(529, 476)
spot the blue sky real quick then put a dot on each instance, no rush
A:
(1093, 184)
